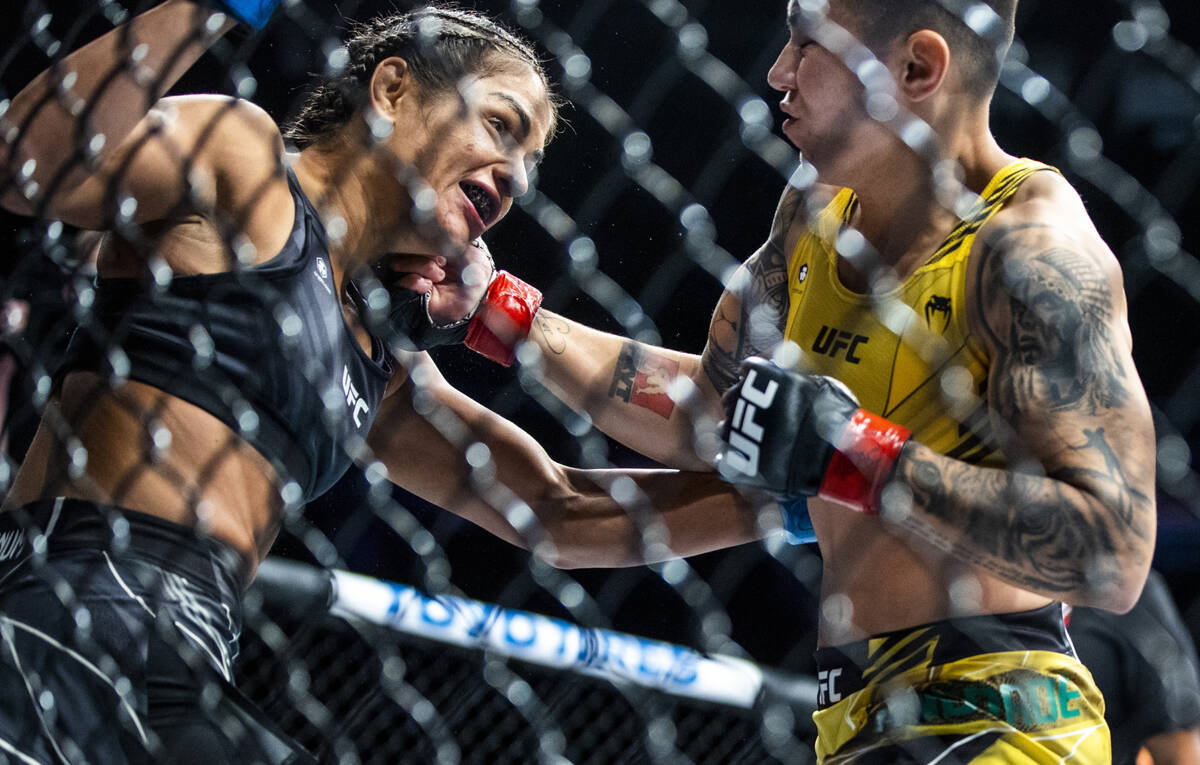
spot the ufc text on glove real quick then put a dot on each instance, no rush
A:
(803, 435)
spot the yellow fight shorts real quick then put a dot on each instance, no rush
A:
(1003, 688)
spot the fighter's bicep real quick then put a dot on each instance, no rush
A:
(1062, 377)
(723, 353)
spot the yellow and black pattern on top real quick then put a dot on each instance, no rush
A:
(907, 354)
(954, 692)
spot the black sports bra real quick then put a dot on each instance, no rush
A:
(265, 349)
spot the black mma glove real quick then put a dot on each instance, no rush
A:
(494, 328)
(804, 435)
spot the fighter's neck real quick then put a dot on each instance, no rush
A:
(905, 210)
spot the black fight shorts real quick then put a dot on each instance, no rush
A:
(118, 633)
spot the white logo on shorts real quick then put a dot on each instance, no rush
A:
(11, 543)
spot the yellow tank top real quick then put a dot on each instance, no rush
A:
(909, 356)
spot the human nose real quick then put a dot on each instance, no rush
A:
(516, 177)
(782, 74)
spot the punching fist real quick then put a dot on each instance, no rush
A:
(434, 303)
(804, 435)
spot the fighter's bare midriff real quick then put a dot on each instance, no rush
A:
(198, 473)
(891, 584)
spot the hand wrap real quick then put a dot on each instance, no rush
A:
(796, 521)
(804, 435)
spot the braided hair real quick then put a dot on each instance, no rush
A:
(440, 44)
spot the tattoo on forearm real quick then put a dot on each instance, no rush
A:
(1110, 483)
(725, 323)
(719, 363)
(721, 367)
(642, 379)
(555, 331)
(1025, 529)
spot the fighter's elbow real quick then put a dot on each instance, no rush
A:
(1114, 583)
(1118, 549)
(1117, 597)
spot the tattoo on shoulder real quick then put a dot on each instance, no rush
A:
(643, 379)
(1059, 349)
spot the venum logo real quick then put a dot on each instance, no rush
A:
(831, 341)
(745, 434)
(938, 306)
(353, 400)
(827, 692)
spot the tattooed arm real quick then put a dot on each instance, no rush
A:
(626, 388)
(662, 403)
(1074, 516)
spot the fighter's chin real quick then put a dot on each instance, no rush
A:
(791, 132)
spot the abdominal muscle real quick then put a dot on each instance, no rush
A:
(875, 581)
(198, 474)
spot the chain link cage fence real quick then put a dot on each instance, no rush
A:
(664, 177)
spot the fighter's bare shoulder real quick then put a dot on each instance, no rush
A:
(1044, 226)
(232, 138)
(1045, 208)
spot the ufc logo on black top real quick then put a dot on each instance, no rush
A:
(745, 434)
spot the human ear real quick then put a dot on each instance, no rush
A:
(925, 64)
(390, 84)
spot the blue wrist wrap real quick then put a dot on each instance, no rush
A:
(796, 522)
(252, 12)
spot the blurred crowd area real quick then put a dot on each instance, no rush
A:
(1109, 91)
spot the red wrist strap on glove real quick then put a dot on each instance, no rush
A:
(503, 319)
(866, 453)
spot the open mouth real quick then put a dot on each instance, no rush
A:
(487, 206)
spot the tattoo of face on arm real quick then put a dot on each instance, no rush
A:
(642, 379)
(1069, 516)
(1060, 349)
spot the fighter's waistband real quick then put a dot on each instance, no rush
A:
(64, 525)
(851, 667)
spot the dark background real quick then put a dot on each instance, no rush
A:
(1144, 106)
